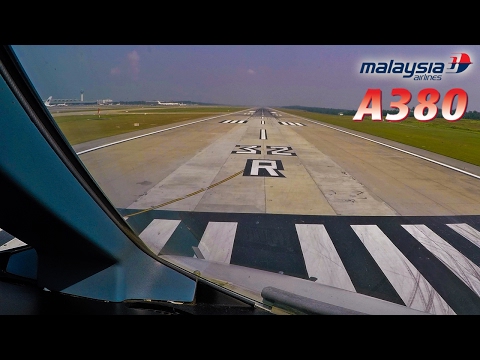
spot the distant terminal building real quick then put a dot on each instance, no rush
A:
(105, 102)
(66, 102)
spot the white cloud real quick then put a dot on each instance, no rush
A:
(131, 67)
(134, 61)
(115, 71)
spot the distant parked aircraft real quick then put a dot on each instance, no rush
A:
(47, 102)
(169, 103)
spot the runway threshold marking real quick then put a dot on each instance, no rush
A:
(411, 278)
(184, 197)
(415, 290)
(459, 264)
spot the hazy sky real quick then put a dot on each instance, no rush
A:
(252, 75)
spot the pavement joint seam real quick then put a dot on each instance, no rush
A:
(184, 197)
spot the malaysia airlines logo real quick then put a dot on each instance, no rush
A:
(460, 63)
(421, 70)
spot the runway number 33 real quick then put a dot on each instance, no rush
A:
(426, 110)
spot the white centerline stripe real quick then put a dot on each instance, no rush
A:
(321, 258)
(413, 288)
(263, 134)
(461, 266)
(395, 148)
(217, 241)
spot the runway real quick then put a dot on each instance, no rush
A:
(287, 165)
(282, 194)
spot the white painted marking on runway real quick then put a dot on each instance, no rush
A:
(248, 149)
(140, 136)
(321, 258)
(290, 123)
(461, 266)
(280, 150)
(413, 288)
(12, 244)
(233, 121)
(467, 232)
(263, 134)
(197, 253)
(398, 149)
(269, 165)
(217, 241)
(157, 233)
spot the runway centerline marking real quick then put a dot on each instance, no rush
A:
(263, 134)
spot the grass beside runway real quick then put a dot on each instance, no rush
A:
(458, 140)
(81, 128)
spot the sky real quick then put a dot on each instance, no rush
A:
(325, 76)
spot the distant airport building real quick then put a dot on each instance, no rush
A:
(55, 101)
(105, 102)
(65, 102)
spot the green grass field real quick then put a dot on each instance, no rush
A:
(459, 140)
(81, 128)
